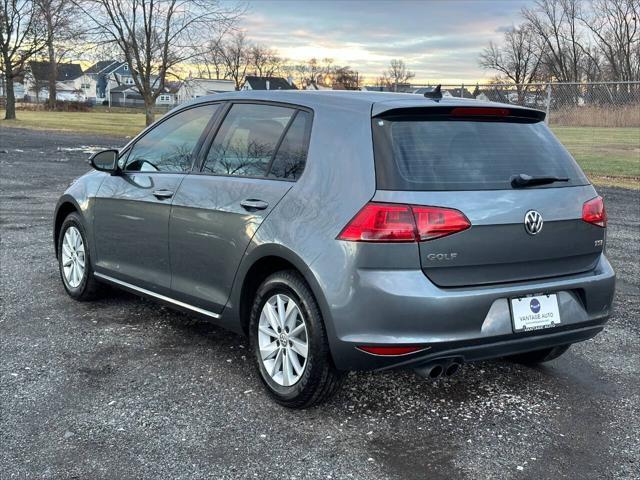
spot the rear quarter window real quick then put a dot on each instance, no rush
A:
(441, 153)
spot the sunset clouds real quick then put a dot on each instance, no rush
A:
(439, 40)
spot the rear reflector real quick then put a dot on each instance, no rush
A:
(382, 222)
(479, 112)
(388, 350)
(593, 212)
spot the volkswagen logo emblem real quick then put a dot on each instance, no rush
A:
(533, 222)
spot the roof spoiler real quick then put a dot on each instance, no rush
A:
(434, 94)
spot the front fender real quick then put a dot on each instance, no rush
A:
(79, 197)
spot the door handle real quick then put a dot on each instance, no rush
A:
(252, 204)
(162, 194)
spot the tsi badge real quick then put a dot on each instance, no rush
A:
(442, 256)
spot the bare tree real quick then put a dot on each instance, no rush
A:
(397, 74)
(517, 58)
(155, 36)
(236, 56)
(64, 34)
(210, 60)
(615, 25)
(265, 61)
(344, 78)
(556, 25)
(22, 36)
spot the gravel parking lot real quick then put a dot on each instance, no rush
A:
(125, 388)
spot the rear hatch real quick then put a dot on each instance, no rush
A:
(495, 165)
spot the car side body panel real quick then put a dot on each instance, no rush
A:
(210, 230)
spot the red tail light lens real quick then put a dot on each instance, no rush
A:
(390, 350)
(593, 211)
(434, 222)
(378, 222)
(381, 222)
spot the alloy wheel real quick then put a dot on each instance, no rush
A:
(283, 340)
(73, 257)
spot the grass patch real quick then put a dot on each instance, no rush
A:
(603, 152)
(99, 123)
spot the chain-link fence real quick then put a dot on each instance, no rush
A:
(598, 104)
(598, 122)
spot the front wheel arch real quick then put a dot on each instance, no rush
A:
(62, 212)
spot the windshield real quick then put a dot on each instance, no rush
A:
(439, 153)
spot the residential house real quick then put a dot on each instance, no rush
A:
(267, 83)
(400, 88)
(423, 90)
(374, 88)
(71, 83)
(460, 92)
(18, 87)
(316, 86)
(102, 72)
(199, 87)
(129, 96)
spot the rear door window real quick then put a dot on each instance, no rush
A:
(291, 157)
(439, 153)
(247, 140)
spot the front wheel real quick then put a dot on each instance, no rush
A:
(539, 356)
(290, 344)
(74, 259)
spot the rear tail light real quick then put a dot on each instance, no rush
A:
(593, 212)
(390, 350)
(435, 222)
(382, 222)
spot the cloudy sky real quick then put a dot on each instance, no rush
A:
(439, 40)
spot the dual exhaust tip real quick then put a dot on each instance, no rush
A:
(439, 368)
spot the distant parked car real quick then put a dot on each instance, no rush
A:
(349, 230)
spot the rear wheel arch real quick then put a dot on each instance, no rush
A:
(261, 267)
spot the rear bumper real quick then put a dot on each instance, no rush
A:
(404, 308)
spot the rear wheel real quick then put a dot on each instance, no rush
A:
(290, 344)
(74, 259)
(539, 356)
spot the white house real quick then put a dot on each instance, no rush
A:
(199, 87)
(71, 83)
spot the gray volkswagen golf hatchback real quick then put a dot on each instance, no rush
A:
(349, 231)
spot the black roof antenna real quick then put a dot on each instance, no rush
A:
(434, 94)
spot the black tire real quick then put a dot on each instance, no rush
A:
(320, 379)
(539, 356)
(88, 287)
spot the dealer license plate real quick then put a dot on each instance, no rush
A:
(535, 313)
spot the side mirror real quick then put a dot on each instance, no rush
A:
(105, 161)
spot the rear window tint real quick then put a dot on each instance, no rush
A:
(460, 154)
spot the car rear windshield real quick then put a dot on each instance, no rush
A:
(439, 152)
